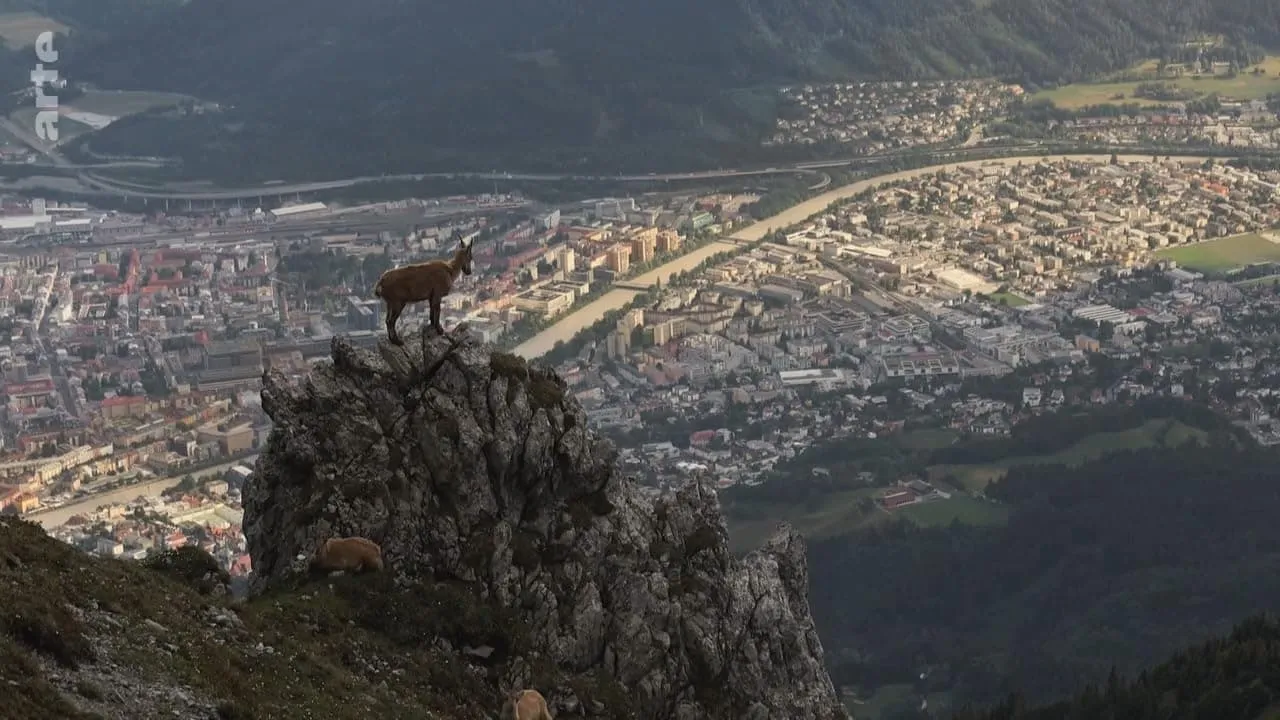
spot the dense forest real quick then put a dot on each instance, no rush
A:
(1120, 561)
(1232, 678)
(386, 86)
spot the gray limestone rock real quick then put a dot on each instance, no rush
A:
(469, 465)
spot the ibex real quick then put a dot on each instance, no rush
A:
(351, 554)
(429, 281)
(525, 705)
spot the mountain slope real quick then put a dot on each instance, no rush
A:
(1234, 678)
(476, 471)
(386, 85)
(516, 557)
(1117, 562)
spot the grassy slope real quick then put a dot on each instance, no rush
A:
(83, 637)
(1154, 432)
(1244, 86)
(838, 513)
(1225, 254)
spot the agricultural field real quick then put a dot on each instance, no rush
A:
(68, 129)
(839, 511)
(830, 515)
(842, 512)
(958, 508)
(108, 103)
(1246, 85)
(121, 103)
(1225, 254)
(20, 29)
(887, 697)
(1163, 432)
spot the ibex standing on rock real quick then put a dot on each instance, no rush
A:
(525, 705)
(429, 281)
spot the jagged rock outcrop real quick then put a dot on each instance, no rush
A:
(472, 468)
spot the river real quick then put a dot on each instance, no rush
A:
(58, 516)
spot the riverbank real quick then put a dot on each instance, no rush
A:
(55, 517)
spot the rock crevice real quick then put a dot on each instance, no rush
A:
(470, 466)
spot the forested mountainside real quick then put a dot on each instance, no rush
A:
(340, 87)
(1120, 561)
(1234, 678)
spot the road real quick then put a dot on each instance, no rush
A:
(579, 320)
(59, 516)
(28, 136)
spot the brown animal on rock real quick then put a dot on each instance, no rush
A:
(525, 705)
(428, 281)
(351, 554)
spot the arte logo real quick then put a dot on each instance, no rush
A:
(46, 105)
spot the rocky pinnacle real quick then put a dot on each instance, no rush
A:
(469, 466)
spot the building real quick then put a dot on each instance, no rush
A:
(619, 259)
(303, 210)
(1102, 314)
(567, 259)
(644, 244)
(545, 301)
(919, 365)
(231, 439)
(668, 241)
(222, 355)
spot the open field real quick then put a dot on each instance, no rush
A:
(68, 129)
(839, 513)
(959, 508)
(887, 697)
(830, 515)
(1254, 282)
(20, 29)
(1169, 433)
(120, 103)
(1224, 254)
(1244, 86)
(1008, 299)
(928, 439)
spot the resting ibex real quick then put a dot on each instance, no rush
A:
(525, 705)
(352, 554)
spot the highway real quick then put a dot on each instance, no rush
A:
(815, 168)
(579, 320)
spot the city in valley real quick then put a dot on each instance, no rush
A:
(706, 342)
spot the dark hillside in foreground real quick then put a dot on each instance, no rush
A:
(348, 88)
(516, 556)
(1119, 561)
(1236, 678)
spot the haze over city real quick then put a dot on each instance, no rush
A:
(661, 361)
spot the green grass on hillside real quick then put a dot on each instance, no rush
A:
(68, 129)
(1244, 86)
(86, 638)
(1224, 254)
(927, 439)
(120, 103)
(1254, 282)
(959, 508)
(1169, 433)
